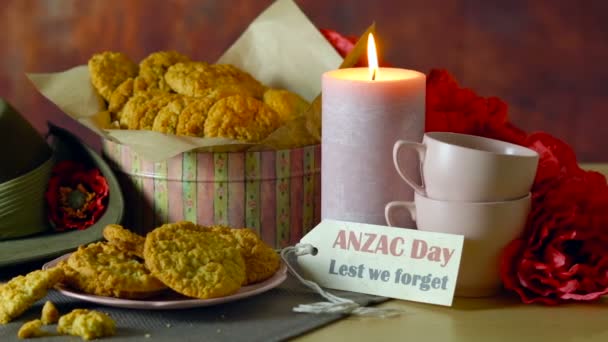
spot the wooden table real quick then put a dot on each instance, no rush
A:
(501, 318)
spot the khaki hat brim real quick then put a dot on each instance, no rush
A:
(51, 244)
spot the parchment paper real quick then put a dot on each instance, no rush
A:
(281, 48)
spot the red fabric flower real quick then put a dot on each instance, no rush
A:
(342, 44)
(556, 158)
(345, 44)
(76, 196)
(450, 108)
(561, 255)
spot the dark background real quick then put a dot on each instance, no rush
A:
(547, 59)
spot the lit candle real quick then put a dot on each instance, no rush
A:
(365, 111)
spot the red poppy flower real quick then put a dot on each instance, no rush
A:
(345, 44)
(450, 108)
(561, 255)
(342, 44)
(556, 158)
(76, 196)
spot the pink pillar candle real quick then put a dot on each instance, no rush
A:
(362, 120)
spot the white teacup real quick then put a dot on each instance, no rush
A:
(487, 227)
(460, 167)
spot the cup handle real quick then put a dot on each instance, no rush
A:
(421, 149)
(388, 209)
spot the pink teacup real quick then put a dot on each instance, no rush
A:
(487, 227)
(461, 167)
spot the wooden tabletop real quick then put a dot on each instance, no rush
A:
(497, 319)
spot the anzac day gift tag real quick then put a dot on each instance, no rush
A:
(385, 261)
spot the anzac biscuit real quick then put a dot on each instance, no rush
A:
(141, 110)
(108, 70)
(242, 118)
(21, 292)
(224, 90)
(88, 324)
(152, 70)
(192, 262)
(191, 120)
(124, 239)
(188, 78)
(104, 270)
(285, 103)
(119, 98)
(196, 78)
(166, 120)
(228, 74)
(143, 117)
(31, 329)
(261, 260)
(134, 104)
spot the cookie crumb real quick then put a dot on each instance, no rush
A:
(50, 314)
(31, 329)
(88, 324)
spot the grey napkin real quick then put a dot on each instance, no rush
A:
(265, 317)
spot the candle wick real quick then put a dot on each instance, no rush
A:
(374, 74)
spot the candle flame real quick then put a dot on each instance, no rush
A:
(372, 57)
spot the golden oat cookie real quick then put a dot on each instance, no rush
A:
(224, 90)
(134, 104)
(108, 70)
(50, 314)
(188, 78)
(21, 292)
(242, 118)
(104, 270)
(166, 120)
(152, 70)
(119, 98)
(191, 120)
(261, 260)
(88, 324)
(142, 117)
(228, 74)
(285, 103)
(124, 239)
(31, 329)
(193, 262)
(196, 78)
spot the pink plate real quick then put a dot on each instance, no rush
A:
(171, 300)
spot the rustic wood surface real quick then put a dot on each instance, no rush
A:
(545, 58)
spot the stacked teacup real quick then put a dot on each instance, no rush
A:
(471, 186)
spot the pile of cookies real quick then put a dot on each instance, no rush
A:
(169, 93)
(195, 261)
(192, 260)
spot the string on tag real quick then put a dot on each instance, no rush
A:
(334, 303)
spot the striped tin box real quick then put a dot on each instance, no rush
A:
(276, 193)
